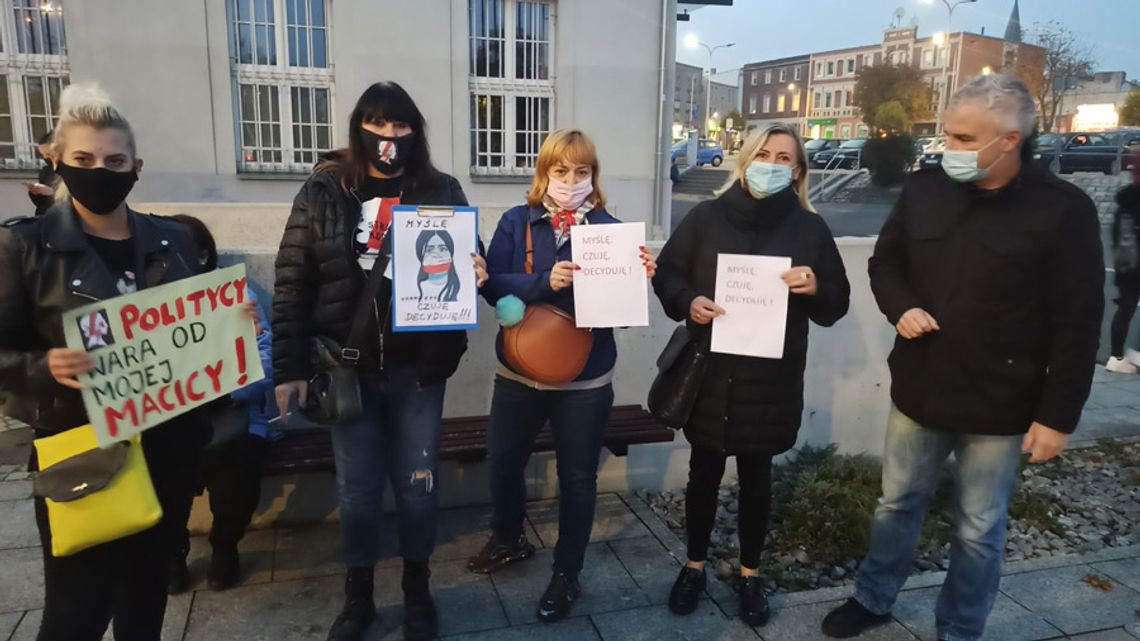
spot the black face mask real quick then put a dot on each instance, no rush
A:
(387, 154)
(100, 190)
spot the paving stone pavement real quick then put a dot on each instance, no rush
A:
(292, 590)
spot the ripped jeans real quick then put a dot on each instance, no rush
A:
(397, 440)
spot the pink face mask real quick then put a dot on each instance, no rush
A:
(570, 196)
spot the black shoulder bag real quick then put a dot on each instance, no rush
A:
(334, 392)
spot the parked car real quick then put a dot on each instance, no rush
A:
(709, 152)
(847, 155)
(820, 144)
(1105, 151)
(1047, 151)
(932, 154)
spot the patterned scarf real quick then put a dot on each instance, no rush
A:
(562, 220)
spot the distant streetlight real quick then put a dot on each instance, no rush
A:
(692, 42)
(791, 86)
(943, 38)
(987, 70)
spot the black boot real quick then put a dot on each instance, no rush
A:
(753, 602)
(421, 621)
(225, 568)
(178, 576)
(686, 592)
(495, 555)
(558, 598)
(359, 610)
(851, 619)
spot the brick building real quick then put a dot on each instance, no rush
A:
(775, 91)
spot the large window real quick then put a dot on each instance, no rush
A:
(33, 71)
(283, 84)
(512, 92)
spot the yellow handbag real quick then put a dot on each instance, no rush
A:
(93, 495)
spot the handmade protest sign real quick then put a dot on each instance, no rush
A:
(755, 301)
(433, 277)
(163, 351)
(611, 288)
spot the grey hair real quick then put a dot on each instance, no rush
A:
(1003, 95)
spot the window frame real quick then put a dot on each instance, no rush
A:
(19, 154)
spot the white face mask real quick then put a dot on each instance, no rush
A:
(962, 166)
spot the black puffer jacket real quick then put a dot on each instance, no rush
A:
(751, 405)
(46, 268)
(1128, 202)
(319, 282)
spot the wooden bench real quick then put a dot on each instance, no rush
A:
(461, 439)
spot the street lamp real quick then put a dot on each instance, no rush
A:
(692, 42)
(940, 39)
(987, 70)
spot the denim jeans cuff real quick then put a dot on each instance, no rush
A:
(869, 602)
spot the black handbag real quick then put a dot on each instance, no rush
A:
(334, 391)
(680, 372)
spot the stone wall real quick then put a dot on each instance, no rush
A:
(1102, 189)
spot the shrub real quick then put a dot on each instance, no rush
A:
(889, 158)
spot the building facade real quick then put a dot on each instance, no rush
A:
(688, 97)
(775, 91)
(723, 99)
(1093, 104)
(234, 100)
(831, 105)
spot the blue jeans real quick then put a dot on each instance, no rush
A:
(396, 439)
(578, 419)
(912, 465)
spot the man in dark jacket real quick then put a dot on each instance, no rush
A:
(992, 272)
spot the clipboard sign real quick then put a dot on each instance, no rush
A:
(433, 278)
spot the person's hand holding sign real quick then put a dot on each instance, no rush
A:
(649, 260)
(250, 308)
(703, 311)
(801, 280)
(66, 365)
(480, 269)
(562, 275)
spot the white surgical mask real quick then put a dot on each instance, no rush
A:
(962, 166)
(765, 178)
(570, 196)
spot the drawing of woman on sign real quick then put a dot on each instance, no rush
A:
(437, 279)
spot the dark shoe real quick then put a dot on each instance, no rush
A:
(753, 602)
(686, 592)
(851, 619)
(359, 611)
(225, 568)
(558, 598)
(421, 621)
(495, 555)
(178, 577)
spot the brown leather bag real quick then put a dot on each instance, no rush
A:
(546, 346)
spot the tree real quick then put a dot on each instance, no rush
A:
(886, 83)
(1067, 60)
(736, 118)
(1130, 112)
(891, 117)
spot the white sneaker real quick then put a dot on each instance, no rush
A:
(1132, 356)
(1119, 366)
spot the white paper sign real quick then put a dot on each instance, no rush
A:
(755, 300)
(611, 289)
(433, 277)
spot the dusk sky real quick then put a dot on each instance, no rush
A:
(765, 29)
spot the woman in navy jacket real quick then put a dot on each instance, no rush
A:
(565, 193)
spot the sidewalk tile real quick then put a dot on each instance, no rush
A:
(1117, 634)
(15, 490)
(23, 584)
(8, 623)
(651, 566)
(1008, 621)
(657, 623)
(1063, 599)
(656, 526)
(173, 625)
(307, 552)
(467, 602)
(802, 623)
(462, 534)
(1126, 571)
(613, 520)
(256, 551)
(288, 611)
(18, 525)
(575, 629)
(606, 585)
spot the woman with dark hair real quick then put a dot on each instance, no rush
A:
(321, 273)
(437, 276)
